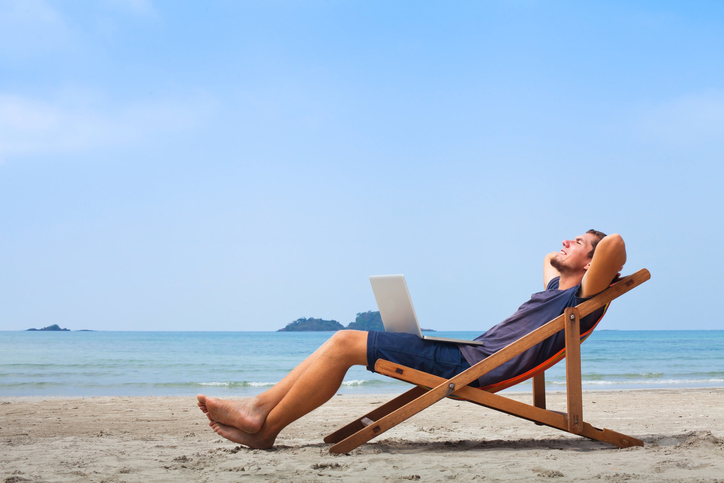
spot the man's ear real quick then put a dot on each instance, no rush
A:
(588, 265)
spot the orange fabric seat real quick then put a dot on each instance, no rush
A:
(544, 366)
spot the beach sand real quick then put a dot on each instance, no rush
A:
(134, 439)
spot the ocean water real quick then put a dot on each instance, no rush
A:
(246, 363)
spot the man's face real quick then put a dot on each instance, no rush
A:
(573, 257)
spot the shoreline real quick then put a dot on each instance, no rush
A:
(131, 438)
(391, 393)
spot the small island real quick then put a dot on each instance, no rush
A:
(51, 328)
(312, 325)
(365, 321)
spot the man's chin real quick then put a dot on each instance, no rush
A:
(558, 264)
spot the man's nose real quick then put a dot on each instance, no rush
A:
(566, 243)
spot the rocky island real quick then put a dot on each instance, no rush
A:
(51, 328)
(365, 321)
(312, 325)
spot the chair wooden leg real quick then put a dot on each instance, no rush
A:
(522, 410)
(539, 390)
(610, 437)
(573, 370)
(375, 428)
(367, 419)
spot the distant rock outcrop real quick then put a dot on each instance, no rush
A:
(51, 328)
(312, 325)
(367, 321)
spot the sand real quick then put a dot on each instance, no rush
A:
(116, 439)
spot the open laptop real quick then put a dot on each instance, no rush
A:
(396, 310)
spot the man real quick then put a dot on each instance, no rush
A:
(584, 267)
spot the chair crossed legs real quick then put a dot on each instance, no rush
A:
(429, 388)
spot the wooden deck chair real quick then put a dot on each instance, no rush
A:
(430, 388)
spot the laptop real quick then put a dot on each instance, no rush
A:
(396, 310)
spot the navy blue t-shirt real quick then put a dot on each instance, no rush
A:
(536, 312)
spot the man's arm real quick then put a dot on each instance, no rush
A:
(549, 273)
(608, 260)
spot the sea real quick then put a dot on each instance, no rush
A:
(81, 364)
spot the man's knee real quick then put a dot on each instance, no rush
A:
(351, 344)
(349, 338)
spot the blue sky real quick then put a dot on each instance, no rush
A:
(233, 165)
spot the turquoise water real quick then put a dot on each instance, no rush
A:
(245, 363)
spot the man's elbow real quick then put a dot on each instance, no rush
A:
(616, 240)
(615, 246)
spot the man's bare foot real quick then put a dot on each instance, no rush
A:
(238, 436)
(247, 415)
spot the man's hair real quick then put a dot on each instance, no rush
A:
(599, 236)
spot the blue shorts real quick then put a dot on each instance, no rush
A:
(440, 358)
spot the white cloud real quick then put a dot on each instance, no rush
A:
(690, 120)
(29, 27)
(83, 123)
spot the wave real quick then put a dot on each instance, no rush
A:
(663, 382)
(31, 384)
(358, 383)
(190, 384)
(231, 384)
(632, 375)
(234, 384)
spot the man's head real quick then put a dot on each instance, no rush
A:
(598, 236)
(576, 254)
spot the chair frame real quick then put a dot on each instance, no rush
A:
(430, 389)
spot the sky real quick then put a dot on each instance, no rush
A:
(230, 165)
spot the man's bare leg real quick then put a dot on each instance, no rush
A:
(249, 414)
(307, 387)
